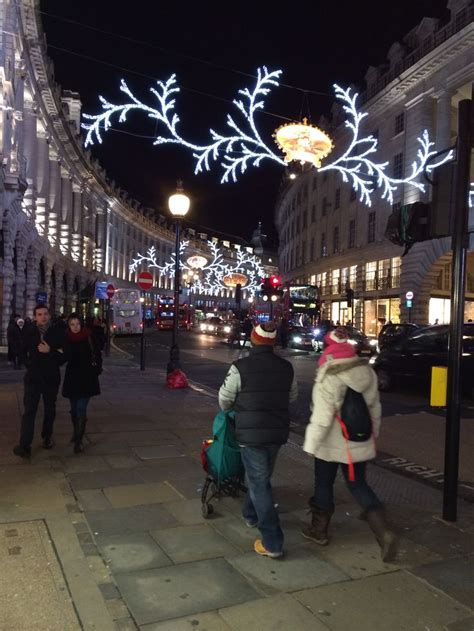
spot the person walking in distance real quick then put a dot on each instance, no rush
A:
(344, 424)
(43, 352)
(81, 381)
(15, 342)
(259, 388)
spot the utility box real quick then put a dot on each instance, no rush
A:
(439, 386)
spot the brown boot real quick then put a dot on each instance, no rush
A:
(385, 537)
(318, 531)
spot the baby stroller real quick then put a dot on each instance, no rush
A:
(222, 463)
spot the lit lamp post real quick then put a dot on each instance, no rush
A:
(178, 204)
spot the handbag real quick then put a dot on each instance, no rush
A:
(95, 366)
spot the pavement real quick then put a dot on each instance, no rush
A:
(114, 538)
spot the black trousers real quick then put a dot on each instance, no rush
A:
(31, 398)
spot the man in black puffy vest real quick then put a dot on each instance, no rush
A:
(259, 388)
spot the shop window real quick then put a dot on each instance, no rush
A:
(353, 275)
(336, 281)
(371, 276)
(395, 272)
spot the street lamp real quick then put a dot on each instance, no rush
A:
(178, 204)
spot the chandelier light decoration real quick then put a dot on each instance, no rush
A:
(215, 275)
(242, 146)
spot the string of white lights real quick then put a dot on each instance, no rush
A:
(242, 148)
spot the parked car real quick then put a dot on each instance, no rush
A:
(395, 333)
(366, 347)
(214, 326)
(413, 357)
(301, 337)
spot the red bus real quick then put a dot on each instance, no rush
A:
(165, 314)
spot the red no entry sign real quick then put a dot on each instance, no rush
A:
(145, 281)
(110, 291)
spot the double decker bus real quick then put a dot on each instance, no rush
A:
(126, 312)
(165, 314)
(302, 305)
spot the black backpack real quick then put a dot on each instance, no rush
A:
(355, 421)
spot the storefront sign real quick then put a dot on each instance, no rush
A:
(41, 298)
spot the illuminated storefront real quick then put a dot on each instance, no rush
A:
(378, 312)
(440, 310)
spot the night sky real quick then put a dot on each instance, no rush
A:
(315, 43)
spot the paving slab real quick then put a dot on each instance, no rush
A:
(462, 625)
(193, 543)
(210, 621)
(183, 590)
(358, 555)
(136, 494)
(453, 576)
(117, 461)
(396, 601)
(441, 537)
(93, 499)
(187, 512)
(84, 463)
(297, 570)
(132, 552)
(276, 613)
(157, 452)
(118, 521)
(31, 487)
(104, 479)
(31, 580)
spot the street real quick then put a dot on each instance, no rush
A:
(412, 438)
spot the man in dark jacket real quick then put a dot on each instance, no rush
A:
(43, 346)
(260, 388)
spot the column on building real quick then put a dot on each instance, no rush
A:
(30, 149)
(443, 119)
(69, 307)
(9, 234)
(77, 223)
(419, 114)
(20, 279)
(42, 181)
(33, 258)
(66, 212)
(100, 237)
(54, 197)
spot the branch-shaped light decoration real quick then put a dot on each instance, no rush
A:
(242, 146)
(213, 273)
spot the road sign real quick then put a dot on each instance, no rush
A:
(409, 295)
(101, 291)
(409, 304)
(145, 281)
(41, 297)
(110, 291)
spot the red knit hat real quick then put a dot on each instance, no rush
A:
(337, 346)
(263, 334)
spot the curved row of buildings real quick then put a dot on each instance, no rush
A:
(330, 239)
(63, 224)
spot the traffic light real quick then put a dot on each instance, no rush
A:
(270, 289)
(421, 221)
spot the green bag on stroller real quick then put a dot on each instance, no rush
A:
(223, 454)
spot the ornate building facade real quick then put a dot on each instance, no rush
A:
(63, 224)
(330, 239)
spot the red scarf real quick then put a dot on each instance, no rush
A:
(83, 334)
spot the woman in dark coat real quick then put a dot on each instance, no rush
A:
(81, 382)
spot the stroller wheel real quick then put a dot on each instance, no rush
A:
(206, 510)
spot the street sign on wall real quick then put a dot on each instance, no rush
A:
(41, 298)
(145, 281)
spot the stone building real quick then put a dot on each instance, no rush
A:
(63, 224)
(330, 239)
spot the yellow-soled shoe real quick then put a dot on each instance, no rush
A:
(260, 549)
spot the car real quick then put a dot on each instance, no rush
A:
(214, 326)
(301, 337)
(319, 333)
(395, 333)
(413, 357)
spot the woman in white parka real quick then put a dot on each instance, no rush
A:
(340, 369)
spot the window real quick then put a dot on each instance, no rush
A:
(325, 176)
(398, 166)
(297, 255)
(323, 244)
(313, 213)
(375, 133)
(371, 276)
(303, 253)
(324, 206)
(335, 240)
(353, 194)
(352, 234)
(305, 192)
(315, 182)
(336, 281)
(395, 272)
(298, 198)
(311, 249)
(298, 224)
(305, 219)
(337, 200)
(371, 228)
(399, 123)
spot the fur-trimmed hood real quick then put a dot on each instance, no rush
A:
(353, 372)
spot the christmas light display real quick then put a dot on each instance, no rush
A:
(214, 273)
(244, 146)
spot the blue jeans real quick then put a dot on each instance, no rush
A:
(324, 477)
(259, 507)
(79, 407)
